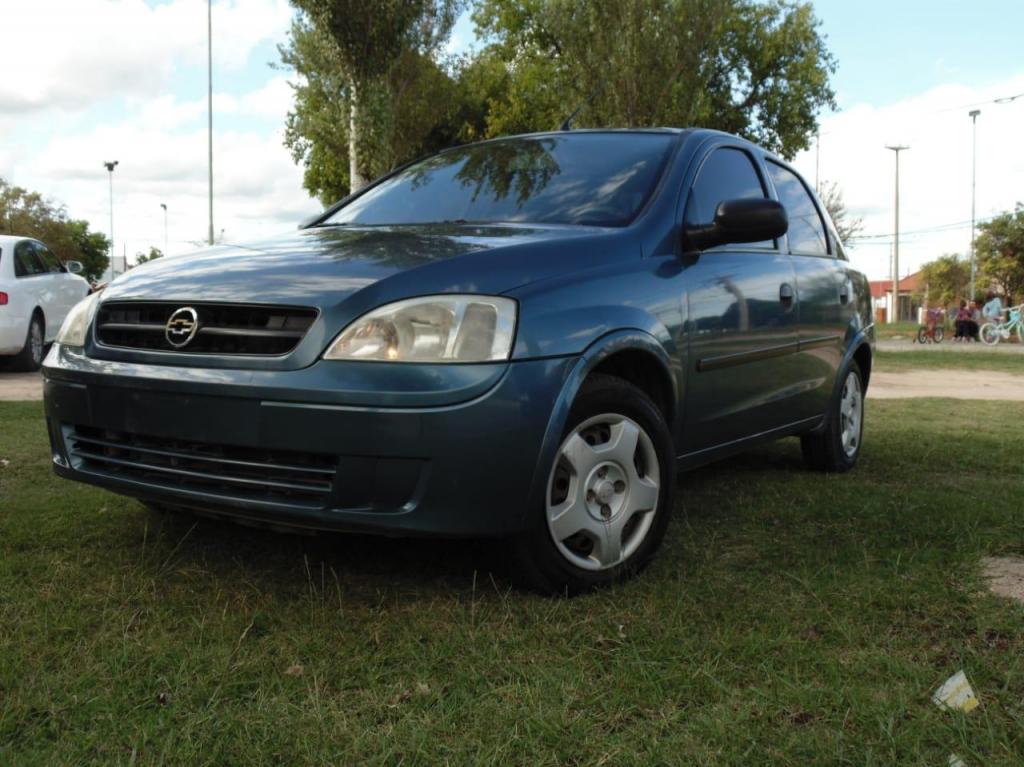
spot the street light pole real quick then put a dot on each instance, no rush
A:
(209, 101)
(894, 315)
(164, 206)
(973, 114)
(110, 168)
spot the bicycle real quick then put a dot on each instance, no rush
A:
(933, 331)
(993, 332)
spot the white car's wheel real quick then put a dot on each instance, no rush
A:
(31, 355)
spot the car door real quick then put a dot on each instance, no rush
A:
(66, 287)
(824, 291)
(34, 284)
(741, 317)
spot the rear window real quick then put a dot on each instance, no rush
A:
(601, 179)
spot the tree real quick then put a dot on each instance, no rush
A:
(758, 69)
(366, 41)
(153, 255)
(29, 214)
(847, 226)
(946, 279)
(93, 250)
(999, 248)
(418, 109)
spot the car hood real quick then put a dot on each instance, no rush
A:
(322, 267)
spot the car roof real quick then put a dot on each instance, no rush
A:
(10, 239)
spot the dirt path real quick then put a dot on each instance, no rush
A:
(20, 386)
(986, 385)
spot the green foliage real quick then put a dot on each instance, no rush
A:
(759, 69)
(153, 255)
(375, 57)
(999, 248)
(29, 214)
(948, 280)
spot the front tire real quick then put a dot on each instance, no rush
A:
(837, 447)
(30, 358)
(609, 494)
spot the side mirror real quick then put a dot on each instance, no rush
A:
(745, 220)
(75, 267)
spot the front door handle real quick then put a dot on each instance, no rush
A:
(786, 293)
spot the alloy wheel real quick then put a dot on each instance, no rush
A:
(36, 342)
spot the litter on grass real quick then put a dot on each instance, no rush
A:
(956, 761)
(956, 694)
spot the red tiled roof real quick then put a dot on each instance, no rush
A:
(910, 283)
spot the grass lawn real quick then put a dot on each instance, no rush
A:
(898, 362)
(884, 331)
(791, 619)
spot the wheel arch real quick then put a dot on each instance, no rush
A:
(632, 354)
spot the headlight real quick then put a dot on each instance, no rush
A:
(76, 324)
(431, 329)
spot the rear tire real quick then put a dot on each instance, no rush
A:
(608, 498)
(837, 447)
(30, 358)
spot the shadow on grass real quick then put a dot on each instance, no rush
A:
(283, 561)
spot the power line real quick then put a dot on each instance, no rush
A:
(924, 230)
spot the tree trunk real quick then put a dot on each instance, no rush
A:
(356, 179)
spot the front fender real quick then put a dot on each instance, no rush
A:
(630, 339)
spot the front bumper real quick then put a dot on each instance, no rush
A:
(447, 449)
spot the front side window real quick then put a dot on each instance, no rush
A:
(600, 179)
(26, 262)
(50, 262)
(806, 229)
(728, 174)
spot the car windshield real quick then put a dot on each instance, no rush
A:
(600, 179)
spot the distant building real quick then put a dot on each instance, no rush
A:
(881, 298)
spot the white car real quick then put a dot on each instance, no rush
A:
(36, 293)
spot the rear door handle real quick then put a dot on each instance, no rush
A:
(786, 293)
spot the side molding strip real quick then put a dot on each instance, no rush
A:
(741, 358)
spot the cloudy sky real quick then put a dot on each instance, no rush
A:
(92, 80)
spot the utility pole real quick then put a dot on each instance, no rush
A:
(973, 114)
(164, 206)
(209, 100)
(894, 315)
(110, 168)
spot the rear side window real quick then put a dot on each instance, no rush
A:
(806, 229)
(26, 262)
(728, 174)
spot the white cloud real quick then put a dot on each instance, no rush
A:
(935, 173)
(123, 60)
(61, 55)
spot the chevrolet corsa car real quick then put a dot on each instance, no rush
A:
(525, 337)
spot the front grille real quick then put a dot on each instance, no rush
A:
(283, 476)
(221, 328)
